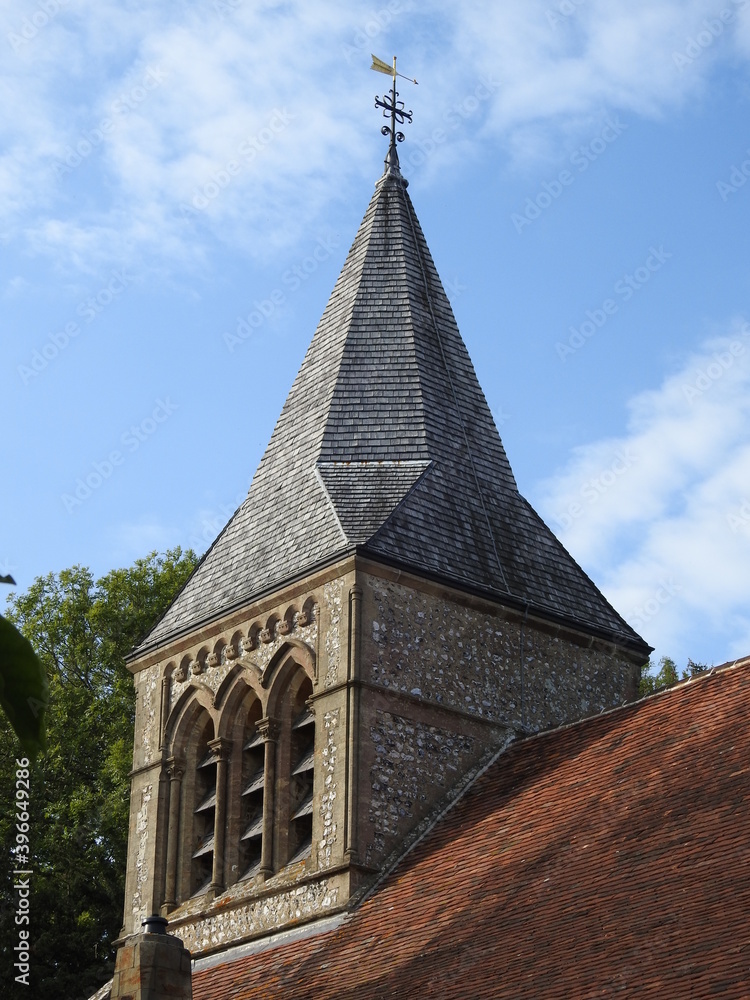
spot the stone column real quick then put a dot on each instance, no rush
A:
(166, 687)
(269, 729)
(175, 769)
(352, 726)
(220, 747)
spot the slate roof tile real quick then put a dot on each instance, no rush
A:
(387, 385)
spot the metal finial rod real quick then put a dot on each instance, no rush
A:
(392, 107)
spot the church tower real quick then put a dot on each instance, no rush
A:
(382, 612)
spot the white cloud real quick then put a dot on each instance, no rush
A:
(222, 72)
(660, 516)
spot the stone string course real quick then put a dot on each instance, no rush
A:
(257, 916)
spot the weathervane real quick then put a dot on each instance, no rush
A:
(392, 107)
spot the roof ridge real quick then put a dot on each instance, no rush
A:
(321, 482)
(556, 541)
(449, 376)
(395, 462)
(384, 242)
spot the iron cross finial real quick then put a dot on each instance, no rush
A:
(392, 106)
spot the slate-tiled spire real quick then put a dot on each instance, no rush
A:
(386, 444)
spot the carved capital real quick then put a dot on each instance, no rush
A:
(269, 729)
(220, 747)
(175, 768)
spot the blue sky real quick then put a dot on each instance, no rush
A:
(580, 171)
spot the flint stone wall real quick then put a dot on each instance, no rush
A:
(486, 662)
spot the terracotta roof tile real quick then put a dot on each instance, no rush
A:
(606, 858)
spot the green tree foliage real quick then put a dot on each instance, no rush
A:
(79, 808)
(24, 692)
(667, 675)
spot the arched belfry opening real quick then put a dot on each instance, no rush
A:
(293, 720)
(249, 792)
(199, 810)
(301, 771)
(192, 816)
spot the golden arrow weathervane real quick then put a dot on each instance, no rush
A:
(382, 67)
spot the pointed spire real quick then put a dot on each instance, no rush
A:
(386, 446)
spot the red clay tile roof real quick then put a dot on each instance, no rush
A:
(608, 858)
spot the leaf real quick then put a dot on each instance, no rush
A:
(24, 693)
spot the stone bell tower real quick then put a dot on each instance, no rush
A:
(381, 612)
